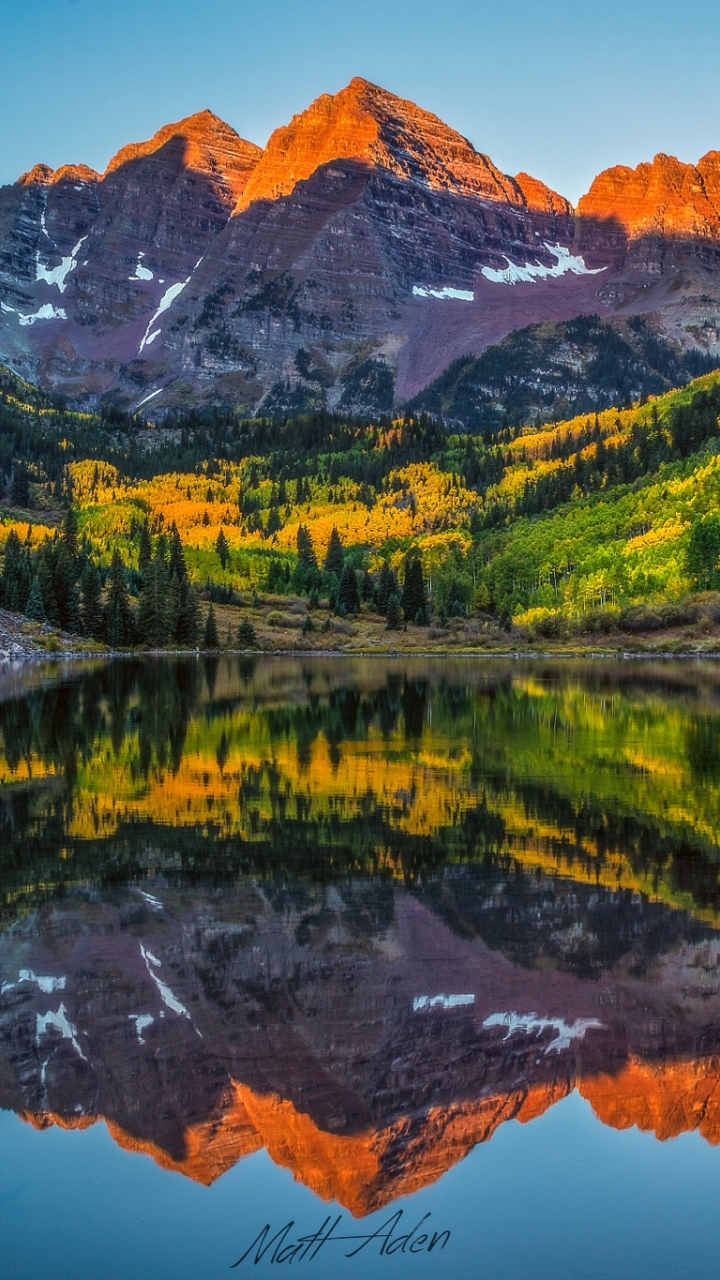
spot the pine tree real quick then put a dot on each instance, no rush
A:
(63, 575)
(20, 489)
(118, 617)
(74, 622)
(413, 596)
(155, 612)
(11, 574)
(305, 549)
(387, 586)
(348, 595)
(394, 615)
(177, 555)
(334, 558)
(35, 608)
(70, 532)
(274, 524)
(211, 640)
(187, 631)
(44, 572)
(222, 548)
(92, 612)
(145, 550)
(247, 635)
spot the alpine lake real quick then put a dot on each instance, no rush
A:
(360, 967)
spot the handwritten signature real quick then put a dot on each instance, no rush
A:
(286, 1246)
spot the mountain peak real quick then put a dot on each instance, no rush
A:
(366, 123)
(664, 195)
(42, 175)
(207, 145)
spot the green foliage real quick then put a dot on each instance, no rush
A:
(307, 559)
(394, 615)
(119, 622)
(211, 640)
(35, 609)
(92, 608)
(222, 548)
(334, 557)
(348, 597)
(546, 372)
(414, 604)
(247, 635)
(703, 553)
(155, 603)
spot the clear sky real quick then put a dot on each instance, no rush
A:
(562, 88)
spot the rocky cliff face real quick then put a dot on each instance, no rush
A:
(367, 247)
(365, 1056)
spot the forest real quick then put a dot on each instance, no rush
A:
(211, 530)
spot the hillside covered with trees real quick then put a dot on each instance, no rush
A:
(210, 530)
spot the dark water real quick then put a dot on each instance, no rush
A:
(421, 958)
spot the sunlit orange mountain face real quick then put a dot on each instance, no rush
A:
(358, 915)
(345, 265)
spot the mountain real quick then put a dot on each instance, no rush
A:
(151, 1010)
(548, 372)
(347, 265)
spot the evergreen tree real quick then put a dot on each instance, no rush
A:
(10, 583)
(274, 524)
(145, 549)
(247, 635)
(211, 640)
(276, 577)
(35, 608)
(394, 614)
(222, 548)
(63, 575)
(187, 632)
(74, 613)
(155, 604)
(334, 558)
(44, 572)
(387, 586)
(92, 611)
(70, 532)
(413, 595)
(118, 617)
(184, 604)
(20, 489)
(305, 549)
(348, 595)
(177, 555)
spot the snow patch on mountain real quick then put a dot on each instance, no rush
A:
(59, 1021)
(141, 1020)
(563, 1032)
(166, 995)
(461, 295)
(58, 275)
(441, 1002)
(166, 301)
(529, 272)
(46, 312)
(151, 396)
(141, 272)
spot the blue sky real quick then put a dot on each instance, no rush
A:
(559, 89)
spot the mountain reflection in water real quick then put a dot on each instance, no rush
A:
(358, 913)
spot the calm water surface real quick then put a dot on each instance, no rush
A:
(360, 968)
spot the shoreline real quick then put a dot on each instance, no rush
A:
(12, 661)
